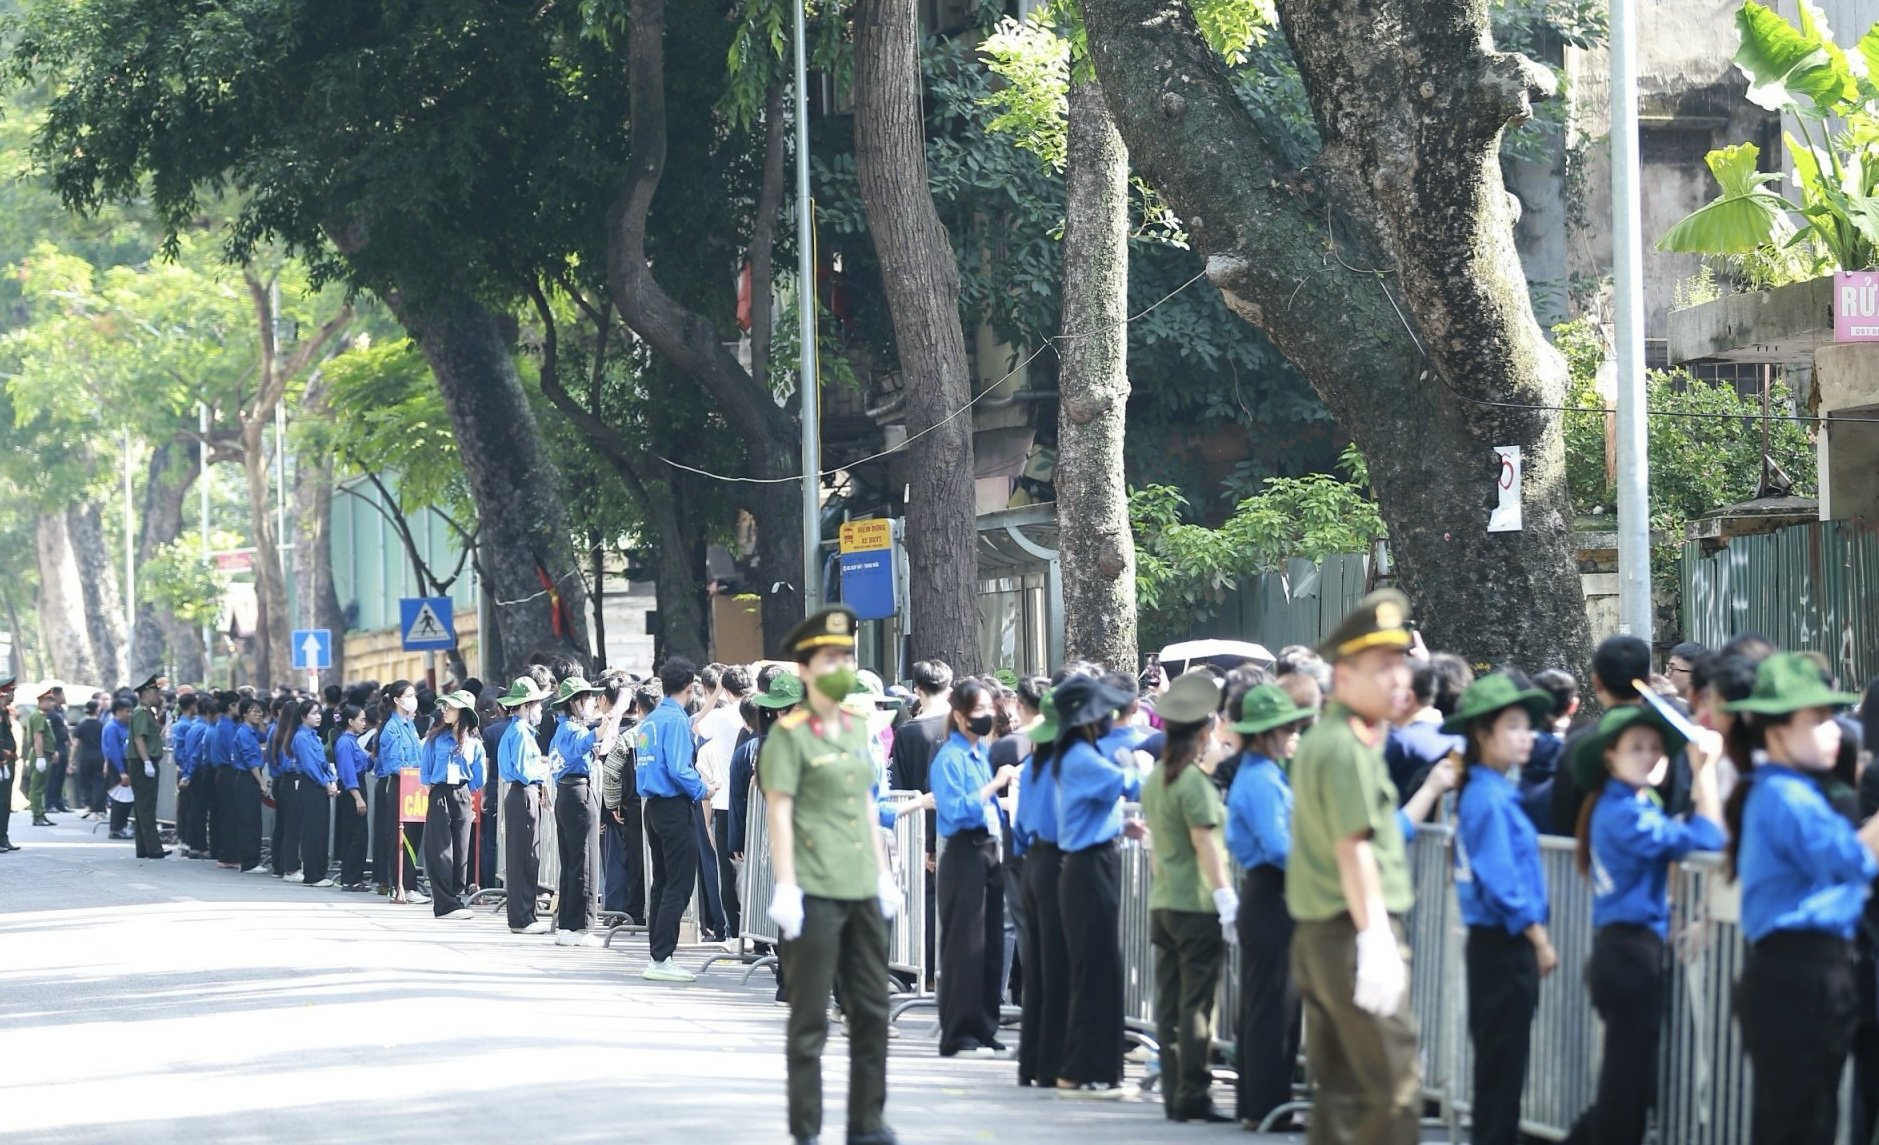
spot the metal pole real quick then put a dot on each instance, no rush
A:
(130, 559)
(806, 309)
(202, 487)
(1634, 515)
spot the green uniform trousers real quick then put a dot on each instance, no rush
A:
(1189, 947)
(843, 944)
(36, 788)
(1364, 1067)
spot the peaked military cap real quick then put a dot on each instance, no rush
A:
(155, 681)
(1380, 620)
(832, 627)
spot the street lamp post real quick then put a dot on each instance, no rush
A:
(1634, 510)
(806, 312)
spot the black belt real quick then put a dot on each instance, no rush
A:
(574, 779)
(451, 786)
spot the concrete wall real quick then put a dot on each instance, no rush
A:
(1846, 377)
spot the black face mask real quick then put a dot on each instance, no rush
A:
(979, 725)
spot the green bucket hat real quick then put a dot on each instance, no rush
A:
(1190, 699)
(1492, 693)
(1046, 729)
(1006, 677)
(1588, 754)
(1789, 682)
(573, 686)
(1266, 707)
(459, 699)
(785, 691)
(524, 691)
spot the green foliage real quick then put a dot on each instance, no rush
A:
(1184, 570)
(1034, 62)
(1797, 70)
(182, 583)
(1539, 30)
(386, 416)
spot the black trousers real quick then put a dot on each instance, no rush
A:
(192, 809)
(971, 942)
(222, 821)
(120, 818)
(486, 873)
(1866, 1042)
(1625, 977)
(313, 819)
(1089, 895)
(1503, 992)
(89, 780)
(394, 864)
(632, 825)
(245, 811)
(1269, 1007)
(447, 846)
(144, 807)
(674, 868)
(710, 898)
(1797, 1002)
(55, 782)
(6, 799)
(350, 828)
(521, 851)
(284, 843)
(727, 875)
(1046, 963)
(577, 839)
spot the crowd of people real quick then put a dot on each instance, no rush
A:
(1277, 803)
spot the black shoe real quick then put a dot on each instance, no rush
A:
(881, 1136)
(121, 835)
(806, 1140)
(42, 821)
(13, 846)
(1210, 1115)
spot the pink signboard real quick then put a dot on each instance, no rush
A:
(1856, 306)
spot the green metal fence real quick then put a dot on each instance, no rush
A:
(1812, 587)
(1297, 607)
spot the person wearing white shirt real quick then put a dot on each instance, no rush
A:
(719, 727)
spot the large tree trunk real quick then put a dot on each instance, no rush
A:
(921, 278)
(313, 526)
(160, 641)
(695, 346)
(523, 524)
(65, 634)
(1096, 544)
(97, 579)
(272, 657)
(1386, 272)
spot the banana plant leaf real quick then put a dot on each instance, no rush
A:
(1798, 70)
(1745, 216)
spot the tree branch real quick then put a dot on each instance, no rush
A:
(598, 433)
(763, 235)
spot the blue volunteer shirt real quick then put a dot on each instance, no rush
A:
(397, 746)
(1090, 788)
(1801, 865)
(247, 746)
(1037, 803)
(663, 753)
(959, 772)
(1498, 879)
(571, 752)
(226, 751)
(200, 732)
(441, 750)
(1633, 845)
(1125, 737)
(518, 756)
(179, 746)
(309, 758)
(351, 763)
(1259, 813)
(115, 740)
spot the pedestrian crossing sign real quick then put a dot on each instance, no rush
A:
(426, 623)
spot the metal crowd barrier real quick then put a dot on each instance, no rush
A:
(906, 937)
(1703, 1094)
(1138, 953)
(1435, 986)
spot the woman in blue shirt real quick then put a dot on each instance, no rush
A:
(1626, 846)
(398, 749)
(452, 769)
(249, 784)
(1090, 791)
(283, 786)
(524, 772)
(575, 754)
(1502, 892)
(353, 769)
(313, 798)
(1042, 950)
(969, 883)
(1259, 837)
(1805, 876)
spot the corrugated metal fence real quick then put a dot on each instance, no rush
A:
(1297, 606)
(1812, 587)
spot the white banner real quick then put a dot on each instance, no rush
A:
(1506, 515)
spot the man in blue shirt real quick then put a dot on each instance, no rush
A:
(670, 789)
(116, 740)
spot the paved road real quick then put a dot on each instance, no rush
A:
(170, 1001)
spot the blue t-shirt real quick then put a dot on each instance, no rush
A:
(1090, 788)
(1259, 814)
(1498, 878)
(1633, 845)
(1801, 864)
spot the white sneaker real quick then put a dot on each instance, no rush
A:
(569, 937)
(668, 971)
(295, 877)
(322, 883)
(539, 926)
(460, 912)
(257, 871)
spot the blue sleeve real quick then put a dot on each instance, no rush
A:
(676, 750)
(1271, 823)
(740, 791)
(1490, 845)
(346, 769)
(247, 748)
(476, 759)
(1818, 839)
(1657, 837)
(951, 798)
(1406, 825)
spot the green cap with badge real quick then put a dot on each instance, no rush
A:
(1790, 682)
(1190, 699)
(1268, 706)
(1495, 692)
(785, 691)
(1380, 620)
(831, 627)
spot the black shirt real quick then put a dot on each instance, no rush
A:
(90, 736)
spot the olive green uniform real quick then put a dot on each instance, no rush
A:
(1184, 928)
(146, 743)
(826, 769)
(1364, 1066)
(32, 749)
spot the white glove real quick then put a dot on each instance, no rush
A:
(887, 890)
(1227, 902)
(786, 910)
(150, 770)
(39, 764)
(1381, 976)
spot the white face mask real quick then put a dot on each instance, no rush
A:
(408, 703)
(534, 716)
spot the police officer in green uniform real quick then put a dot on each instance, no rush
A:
(1348, 887)
(141, 759)
(834, 892)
